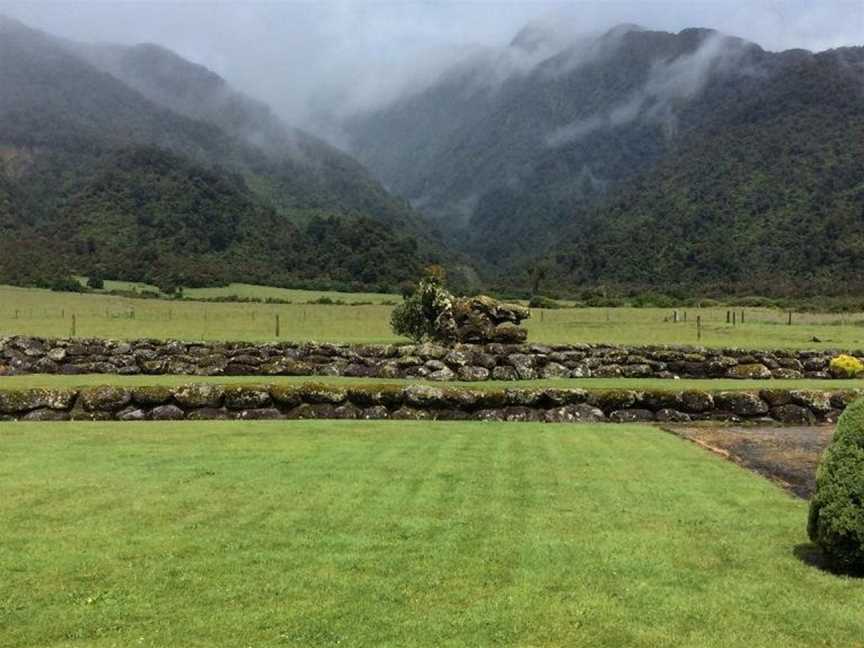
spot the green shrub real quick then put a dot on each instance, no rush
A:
(95, 281)
(846, 366)
(415, 317)
(836, 521)
(66, 284)
(539, 301)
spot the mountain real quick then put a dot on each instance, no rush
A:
(136, 164)
(637, 158)
(767, 197)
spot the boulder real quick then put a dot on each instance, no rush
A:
(410, 414)
(442, 375)
(582, 413)
(672, 416)
(46, 415)
(744, 404)
(793, 414)
(209, 414)
(104, 399)
(695, 401)
(376, 412)
(750, 371)
(472, 374)
(614, 399)
(167, 413)
(818, 402)
(307, 411)
(423, 396)
(631, 416)
(323, 394)
(554, 370)
(131, 413)
(150, 396)
(199, 395)
(243, 397)
(347, 411)
(13, 402)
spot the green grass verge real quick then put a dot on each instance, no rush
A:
(49, 314)
(399, 534)
(640, 384)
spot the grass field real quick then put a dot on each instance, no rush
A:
(322, 533)
(251, 291)
(46, 313)
(639, 384)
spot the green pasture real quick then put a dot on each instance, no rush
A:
(400, 534)
(251, 291)
(28, 381)
(46, 313)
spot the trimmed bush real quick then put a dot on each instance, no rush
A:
(836, 521)
(846, 366)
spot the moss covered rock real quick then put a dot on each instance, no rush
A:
(14, 402)
(151, 395)
(199, 395)
(104, 399)
(836, 521)
(750, 371)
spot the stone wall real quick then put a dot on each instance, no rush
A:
(416, 402)
(23, 355)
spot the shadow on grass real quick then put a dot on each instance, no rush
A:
(811, 555)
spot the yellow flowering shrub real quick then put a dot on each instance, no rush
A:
(846, 366)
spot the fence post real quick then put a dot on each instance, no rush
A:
(789, 321)
(733, 318)
(277, 325)
(698, 327)
(74, 324)
(728, 317)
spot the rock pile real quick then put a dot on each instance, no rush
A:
(482, 320)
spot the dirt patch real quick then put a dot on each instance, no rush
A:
(786, 455)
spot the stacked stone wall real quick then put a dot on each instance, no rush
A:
(207, 401)
(463, 362)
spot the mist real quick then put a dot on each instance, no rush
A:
(317, 63)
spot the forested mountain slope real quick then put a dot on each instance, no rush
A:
(690, 158)
(770, 197)
(123, 179)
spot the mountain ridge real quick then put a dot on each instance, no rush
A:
(71, 129)
(552, 152)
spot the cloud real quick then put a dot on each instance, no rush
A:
(316, 61)
(668, 83)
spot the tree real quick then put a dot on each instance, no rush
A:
(418, 315)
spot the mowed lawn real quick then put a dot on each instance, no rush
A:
(399, 534)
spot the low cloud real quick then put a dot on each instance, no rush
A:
(668, 84)
(317, 61)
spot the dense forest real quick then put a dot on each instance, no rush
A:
(641, 160)
(96, 176)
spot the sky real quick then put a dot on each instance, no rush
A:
(313, 58)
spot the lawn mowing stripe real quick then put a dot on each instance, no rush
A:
(581, 577)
